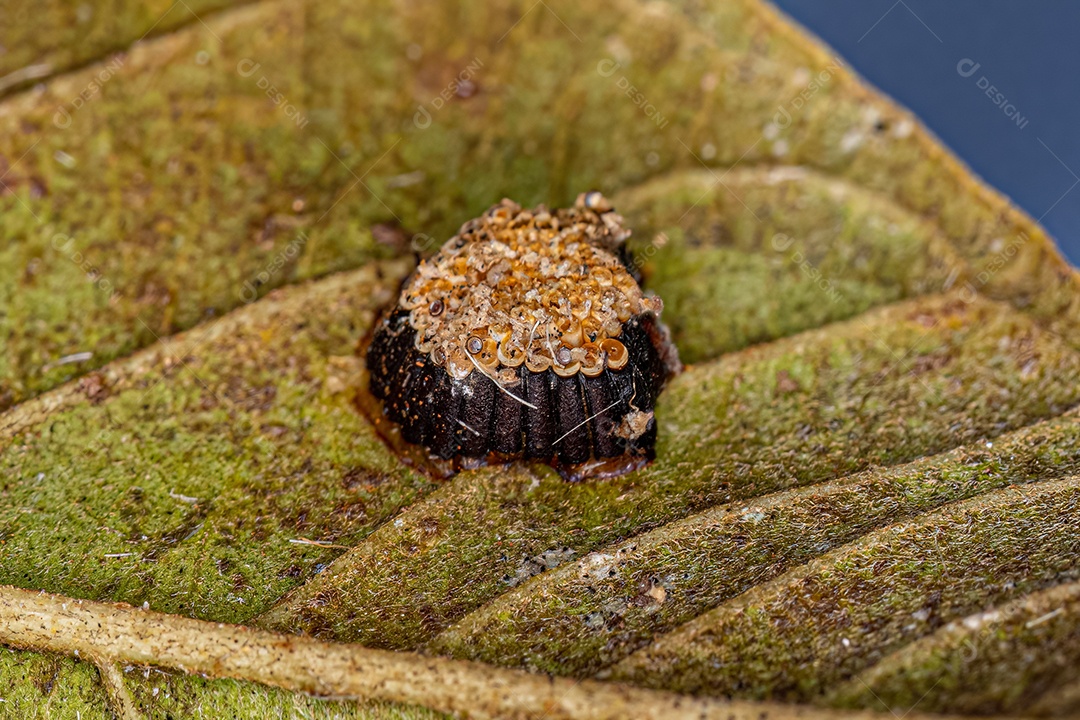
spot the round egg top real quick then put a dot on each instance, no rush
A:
(528, 287)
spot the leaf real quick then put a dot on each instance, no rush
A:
(45, 39)
(1027, 638)
(553, 623)
(119, 633)
(866, 485)
(730, 431)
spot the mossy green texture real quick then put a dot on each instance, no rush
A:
(57, 35)
(776, 250)
(586, 615)
(46, 687)
(178, 191)
(554, 114)
(916, 378)
(212, 474)
(166, 696)
(1007, 659)
(180, 179)
(792, 637)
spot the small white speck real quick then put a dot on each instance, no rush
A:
(974, 622)
(845, 642)
(989, 444)
(871, 115)
(399, 522)
(74, 358)
(620, 51)
(771, 131)
(183, 498)
(851, 141)
(64, 159)
(755, 516)
(398, 181)
(1043, 618)
(708, 151)
(780, 148)
(598, 565)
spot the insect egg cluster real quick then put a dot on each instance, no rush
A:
(525, 336)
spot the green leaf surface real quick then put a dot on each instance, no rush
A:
(865, 492)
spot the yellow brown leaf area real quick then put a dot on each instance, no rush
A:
(865, 491)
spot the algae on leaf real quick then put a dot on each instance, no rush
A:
(866, 484)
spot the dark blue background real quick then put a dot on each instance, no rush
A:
(1028, 49)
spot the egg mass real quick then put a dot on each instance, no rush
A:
(526, 336)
